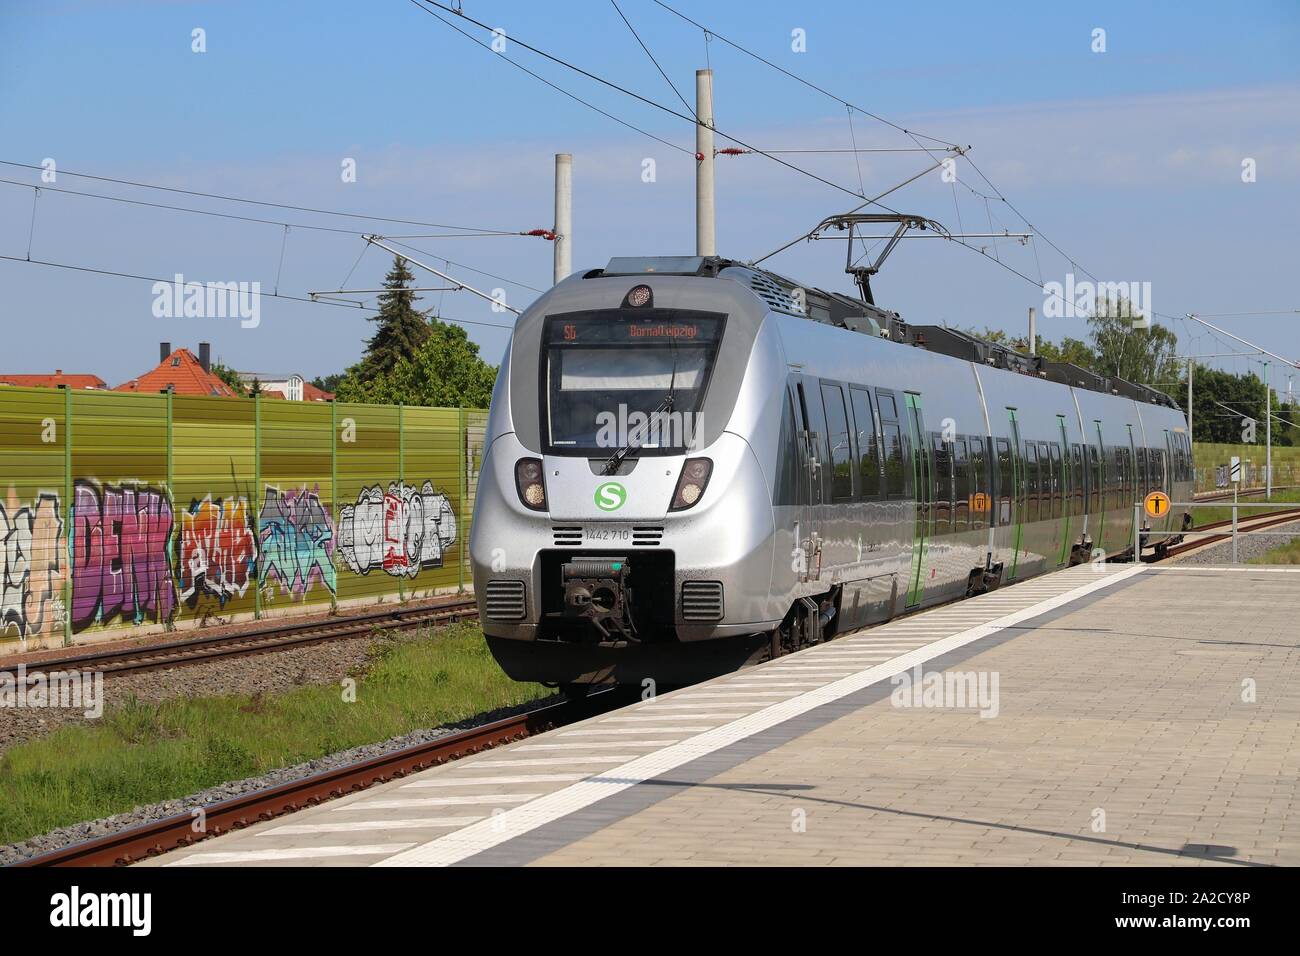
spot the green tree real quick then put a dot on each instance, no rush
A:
(1143, 355)
(255, 389)
(230, 377)
(1223, 399)
(328, 383)
(402, 328)
(445, 371)
(1070, 350)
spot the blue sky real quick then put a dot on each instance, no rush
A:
(1129, 160)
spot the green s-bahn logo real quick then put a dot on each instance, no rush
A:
(610, 496)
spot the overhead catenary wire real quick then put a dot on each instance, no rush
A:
(273, 295)
(252, 202)
(425, 5)
(711, 32)
(537, 76)
(234, 216)
(670, 83)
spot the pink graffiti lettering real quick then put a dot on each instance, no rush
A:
(121, 564)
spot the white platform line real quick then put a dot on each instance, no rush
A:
(503, 827)
(352, 826)
(490, 781)
(294, 853)
(659, 716)
(595, 744)
(412, 803)
(600, 731)
(549, 761)
(675, 710)
(1214, 570)
(740, 694)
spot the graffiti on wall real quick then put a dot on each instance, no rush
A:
(297, 541)
(402, 530)
(217, 550)
(121, 561)
(31, 573)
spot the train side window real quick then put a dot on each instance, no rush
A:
(1054, 469)
(897, 455)
(1122, 478)
(942, 498)
(981, 500)
(788, 488)
(815, 421)
(1006, 481)
(888, 407)
(837, 431)
(1078, 474)
(1143, 480)
(1031, 481)
(868, 443)
(1095, 480)
(896, 474)
(960, 485)
(1126, 479)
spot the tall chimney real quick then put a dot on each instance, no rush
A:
(205, 356)
(164, 350)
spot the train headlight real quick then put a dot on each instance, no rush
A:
(530, 483)
(690, 486)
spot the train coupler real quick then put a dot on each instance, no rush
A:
(596, 590)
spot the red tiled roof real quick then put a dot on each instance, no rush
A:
(54, 381)
(272, 393)
(310, 393)
(183, 373)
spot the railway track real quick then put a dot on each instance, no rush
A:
(157, 837)
(1257, 522)
(264, 640)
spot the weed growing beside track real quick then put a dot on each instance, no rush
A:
(1288, 553)
(146, 753)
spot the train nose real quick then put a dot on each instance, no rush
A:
(578, 490)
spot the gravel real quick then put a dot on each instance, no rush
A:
(1248, 546)
(76, 833)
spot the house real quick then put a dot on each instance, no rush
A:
(57, 380)
(182, 373)
(291, 386)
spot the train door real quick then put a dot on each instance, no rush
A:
(1017, 496)
(1061, 464)
(922, 470)
(1134, 487)
(1101, 493)
(814, 460)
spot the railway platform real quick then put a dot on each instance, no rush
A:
(1130, 715)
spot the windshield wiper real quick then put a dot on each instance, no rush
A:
(613, 462)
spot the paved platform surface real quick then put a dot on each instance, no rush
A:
(1121, 715)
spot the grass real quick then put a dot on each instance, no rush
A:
(1288, 553)
(144, 753)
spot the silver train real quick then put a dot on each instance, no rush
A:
(691, 465)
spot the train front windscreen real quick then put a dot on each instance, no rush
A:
(616, 380)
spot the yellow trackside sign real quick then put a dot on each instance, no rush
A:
(1157, 504)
